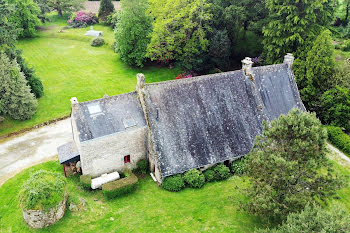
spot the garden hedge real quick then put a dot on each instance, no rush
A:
(209, 175)
(339, 139)
(221, 172)
(120, 187)
(237, 167)
(174, 183)
(194, 178)
(85, 181)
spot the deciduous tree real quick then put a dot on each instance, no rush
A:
(132, 31)
(288, 166)
(65, 6)
(8, 29)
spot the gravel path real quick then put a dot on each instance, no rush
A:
(33, 147)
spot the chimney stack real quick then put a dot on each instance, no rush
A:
(140, 81)
(247, 65)
(289, 59)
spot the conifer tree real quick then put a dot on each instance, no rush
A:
(106, 8)
(16, 99)
(319, 65)
(293, 25)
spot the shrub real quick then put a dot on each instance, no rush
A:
(237, 166)
(221, 172)
(120, 187)
(97, 42)
(346, 46)
(173, 183)
(43, 190)
(82, 19)
(335, 105)
(194, 178)
(112, 20)
(315, 219)
(339, 139)
(85, 181)
(142, 166)
(106, 9)
(209, 175)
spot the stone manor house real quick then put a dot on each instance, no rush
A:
(180, 124)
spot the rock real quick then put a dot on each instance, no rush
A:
(111, 218)
(73, 207)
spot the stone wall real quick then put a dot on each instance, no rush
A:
(106, 154)
(41, 218)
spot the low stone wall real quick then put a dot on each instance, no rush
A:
(41, 219)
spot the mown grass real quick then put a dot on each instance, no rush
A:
(68, 66)
(214, 208)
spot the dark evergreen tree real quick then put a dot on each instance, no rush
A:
(106, 8)
(15, 96)
(288, 167)
(293, 25)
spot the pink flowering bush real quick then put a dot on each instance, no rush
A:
(82, 19)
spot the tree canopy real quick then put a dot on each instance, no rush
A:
(65, 6)
(288, 166)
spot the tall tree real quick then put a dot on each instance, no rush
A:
(15, 96)
(288, 166)
(293, 25)
(106, 8)
(26, 17)
(320, 65)
(8, 29)
(44, 8)
(65, 6)
(179, 31)
(132, 31)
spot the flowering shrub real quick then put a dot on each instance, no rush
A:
(182, 76)
(82, 19)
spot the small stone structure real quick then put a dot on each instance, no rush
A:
(41, 218)
(94, 33)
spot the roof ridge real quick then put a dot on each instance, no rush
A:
(107, 97)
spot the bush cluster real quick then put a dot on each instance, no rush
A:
(43, 190)
(97, 42)
(142, 166)
(85, 181)
(174, 183)
(237, 167)
(221, 172)
(339, 139)
(82, 19)
(209, 175)
(120, 187)
(194, 178)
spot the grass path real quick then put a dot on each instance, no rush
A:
(68, 66)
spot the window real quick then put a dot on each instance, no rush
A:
(94, 108)
(127, 159)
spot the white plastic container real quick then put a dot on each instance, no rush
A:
(105, 178)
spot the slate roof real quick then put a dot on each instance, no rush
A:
(278, 90)
(109, 115)
(210, 119)
(68, 153)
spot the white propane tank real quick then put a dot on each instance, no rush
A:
(105, 178)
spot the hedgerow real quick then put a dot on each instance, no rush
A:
(120, 187)
(221, 172)
(43, 190)
(194, 178)
(174, 183)
(339, 139)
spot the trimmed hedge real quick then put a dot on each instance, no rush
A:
(120, 187)
(174, 183)
(339, 139)
(85, 181)
(209, 175)
(221, 172)
(194, 178)
(237, 167)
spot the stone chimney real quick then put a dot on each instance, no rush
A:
(247, 65)
(289, 59)
(140, 82)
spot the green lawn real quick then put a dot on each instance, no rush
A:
(68, 66)
(214, 208)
